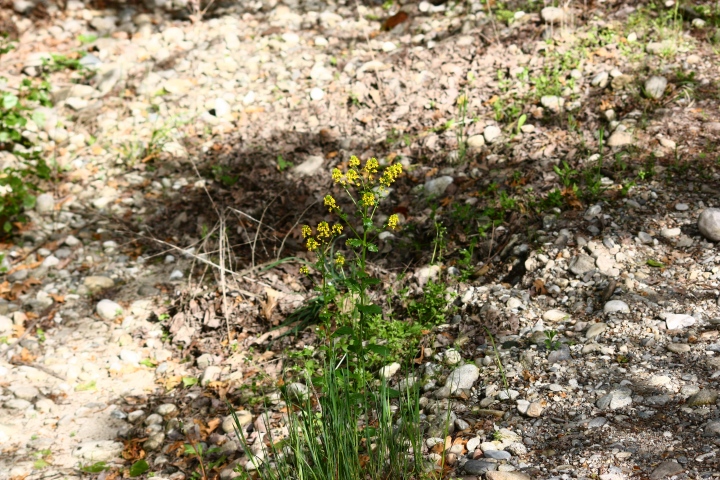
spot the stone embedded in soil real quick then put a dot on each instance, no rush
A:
(98, 451)
(670, 232)
(561, 355)
(706, 396)
(620, 138)
(389, 370)
(493, 475)
(581, 264)
(709, 224)
(678, 347)
(552, 14)
(595, 330)
(497, 454)
(600, 80)
(108, 309)
(45, 203)
(675, 321)
(28, 393)
(475, 142)
(666, 469)
(462, 377)
(712, 429)
(617, 398)
(555, 316)
(478, 467)
(655, 87)
(492, 133)
(98, 282)
(616, 306)
(437, 186)
(310, 166)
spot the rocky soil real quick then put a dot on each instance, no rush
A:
(114, 316)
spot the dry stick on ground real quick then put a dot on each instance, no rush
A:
(277, 258)
(221, 247)
(257, 232)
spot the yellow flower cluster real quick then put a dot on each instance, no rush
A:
(330, 203)
(305, 270)
(392, 222)
(390, 174)
(339, 260)
(368, 199)
(324, 233)
(352, 176)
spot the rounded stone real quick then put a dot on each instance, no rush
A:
(108, 309)
(709, 224)
(616, 306)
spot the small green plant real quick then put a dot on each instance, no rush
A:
(87, 38)
(566, 174)
(550, 340)
(283, 164)
(148, 363)
(189, 381)
(40, 335)
(138, 468)
(84, 387)
(221, 175)
(42, 459)
(498, 360)
(207, 459)
(96, 467)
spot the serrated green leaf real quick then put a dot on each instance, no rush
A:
(139, 467)
(372, 247)
(354, 242)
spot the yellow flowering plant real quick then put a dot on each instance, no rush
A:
(364, 185)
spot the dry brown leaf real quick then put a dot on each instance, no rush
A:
(270, 303)
(540, 287)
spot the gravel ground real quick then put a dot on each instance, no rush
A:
(174, 125)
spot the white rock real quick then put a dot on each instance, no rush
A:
(600, 80)
(6, 325)
(317, 94)
(670, 232)
(388, 46)
(310, 166)
(615, 306)
(492, 133)
(108, 309)
(452, 357)
(552, 14)
(222, 108)
(674, 321)
(462, 377)
(291, 38)
(475, 142)
(389, 370)
(45, 203)
(130, 356)
(98, 451)
(437, 186)
(555, 316)
(620, 138)
(655, 86)
(709, 224)
(210, 374)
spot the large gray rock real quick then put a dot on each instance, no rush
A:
(675, 321)
(581, 264)
(98, 451)
(709, 224)
(618, 398)
(706, 396)
(666, 469)
(463, 377)
(616, 306)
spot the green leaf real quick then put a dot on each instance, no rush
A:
(138, 468)
(148, 363)
(354, 242)
(372, 247)
(343, 331)
(190, 449)
(96, 467)
(9, 101)
(7, 226)
(379, 349)
(371, 309)
(38, 118)
(29, 200)
(655, 263)
(189, 381)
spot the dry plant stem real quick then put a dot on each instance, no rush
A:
(257, 232)
(282, 245)
(240, 212)
(221, 247)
